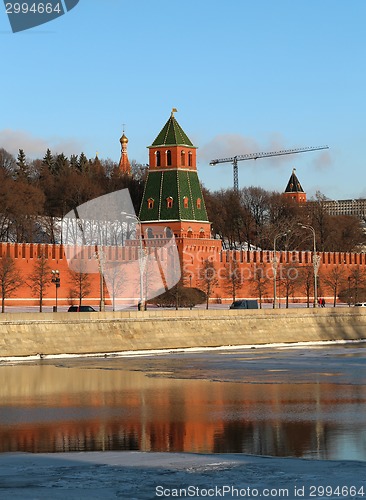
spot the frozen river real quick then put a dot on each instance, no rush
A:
(308, 402)
(187, 424)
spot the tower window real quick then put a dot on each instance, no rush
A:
(150, 203)
(168, 158)
(190, 159)
(157, 159)
(185, 201)
(198, 203)
(182, 159)
(169, 202)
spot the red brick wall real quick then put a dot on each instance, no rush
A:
(193, 252)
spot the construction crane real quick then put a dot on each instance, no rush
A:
(255, 156)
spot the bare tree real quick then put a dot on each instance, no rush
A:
(79, 283)
(233, 278)
(357, 281)
(307, 281)
(10, 279)
(114, 279)
(288, 276)
(208, 278)
(335, 279)
(256, 201)
(40, 279)
(259, 282)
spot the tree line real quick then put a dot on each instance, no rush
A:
(34, 193)
(254, 217)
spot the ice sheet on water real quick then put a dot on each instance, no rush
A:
(142, 476)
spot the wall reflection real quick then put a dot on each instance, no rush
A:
(46, 408)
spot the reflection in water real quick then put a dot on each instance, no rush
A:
(283, 403)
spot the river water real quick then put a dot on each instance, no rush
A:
(304, 401)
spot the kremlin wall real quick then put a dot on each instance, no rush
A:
(173, 204)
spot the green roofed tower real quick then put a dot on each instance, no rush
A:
(173, 200)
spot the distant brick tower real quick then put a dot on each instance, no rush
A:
(294, 190)
(173, 200)
(124, 163)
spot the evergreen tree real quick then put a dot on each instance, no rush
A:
(61, 164)
(23, 170)
(83, 163)
(74, 163)
(48, 159)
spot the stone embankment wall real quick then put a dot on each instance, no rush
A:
(86, 333)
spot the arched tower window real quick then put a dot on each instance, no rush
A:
(150, 203)
(169, 202)
(190, 159)
(189, 232)
(168, 158)
(202, 233)
(149, 233)
(182, 159)
(157, 159)
(185, 201)
(198, 203)
(168, 232)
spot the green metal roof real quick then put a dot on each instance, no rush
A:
(176, 184)
(172, 134)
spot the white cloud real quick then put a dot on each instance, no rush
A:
(36, 147)
(227, 145)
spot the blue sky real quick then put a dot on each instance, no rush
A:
(245, 76)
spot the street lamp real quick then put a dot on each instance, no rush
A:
(100, 257)
(56, 280)
(274, 266)
(349, 291)
(141, 254)
(316, 262)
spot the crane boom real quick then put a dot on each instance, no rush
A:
(255, 156)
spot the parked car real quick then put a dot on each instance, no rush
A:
(75, 309)
(244, 304)
(360, 304)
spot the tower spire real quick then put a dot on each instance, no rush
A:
(124, 163)
(294, 190)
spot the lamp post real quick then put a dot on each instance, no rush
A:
(100, 257)
(141, 305)
(274, 266)
(349, 291)
(316, 263)
(56, 280)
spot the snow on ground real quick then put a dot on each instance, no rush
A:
(138, 475)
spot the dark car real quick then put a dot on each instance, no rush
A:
(244, 304)
(83, 309)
